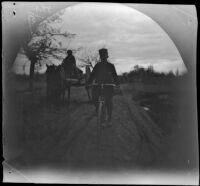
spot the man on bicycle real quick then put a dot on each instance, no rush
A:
(104, 73)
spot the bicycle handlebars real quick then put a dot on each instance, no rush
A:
(101, 84)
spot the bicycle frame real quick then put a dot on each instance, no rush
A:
(101, 107)
(101, 99)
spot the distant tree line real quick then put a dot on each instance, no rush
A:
(148, 74)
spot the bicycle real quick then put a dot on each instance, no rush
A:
(101, 111)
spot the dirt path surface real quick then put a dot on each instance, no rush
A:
(68, 136)
(131, 140)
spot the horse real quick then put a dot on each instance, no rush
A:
(58, 81)
(54, 85)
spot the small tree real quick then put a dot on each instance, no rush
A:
(88, 57)
(23, 68)
(136, 68)
(170, 74)
(150, 69)
(177, 73)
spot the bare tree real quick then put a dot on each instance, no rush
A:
(150, 69)
(88, 57)
(44, 43)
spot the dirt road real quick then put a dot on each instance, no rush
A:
(68, 136)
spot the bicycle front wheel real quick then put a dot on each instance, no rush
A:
(99, 116)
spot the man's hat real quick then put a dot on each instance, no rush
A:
(69, 51)
(103, 52)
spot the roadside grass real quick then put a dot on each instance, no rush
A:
(163, 108)
(172, 106)
(164, 101)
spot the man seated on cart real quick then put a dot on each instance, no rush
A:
(104, 73)
(69, 64)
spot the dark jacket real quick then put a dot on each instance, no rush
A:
(104, 72)
(69, 63)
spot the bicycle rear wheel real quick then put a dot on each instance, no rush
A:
(101, 113)
(100, 120)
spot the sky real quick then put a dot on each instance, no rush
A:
(131, 37)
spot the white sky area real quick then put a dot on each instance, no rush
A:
(130, 36)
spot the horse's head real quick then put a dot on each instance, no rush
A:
(51, 69)
(60, 72)
(58, 68)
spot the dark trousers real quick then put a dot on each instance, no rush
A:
(108, 95)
